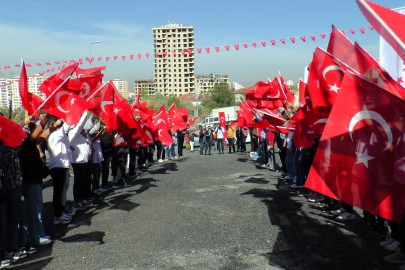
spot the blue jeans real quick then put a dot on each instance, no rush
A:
(34, 207)
(202, 145)
(298, 170)
(289, 162)
(16, 232)
(216, 145)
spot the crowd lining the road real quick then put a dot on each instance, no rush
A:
(86, 152)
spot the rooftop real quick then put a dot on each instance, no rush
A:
(244, 89)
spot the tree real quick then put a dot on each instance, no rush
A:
(171, 100)
(220, 96)
(144, 93)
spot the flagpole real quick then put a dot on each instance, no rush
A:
(43, 103)
(95, 92)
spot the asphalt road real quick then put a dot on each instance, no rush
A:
(204, 212)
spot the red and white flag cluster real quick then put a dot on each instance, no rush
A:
(356, 109)
(68, 97)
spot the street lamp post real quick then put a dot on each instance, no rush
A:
(197, 95)
(90, 47)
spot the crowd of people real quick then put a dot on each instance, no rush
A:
(86, 152)
(52, 147)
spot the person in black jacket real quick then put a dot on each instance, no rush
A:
(106, 143)
(180, 141)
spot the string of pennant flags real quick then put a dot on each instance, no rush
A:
(183, 52)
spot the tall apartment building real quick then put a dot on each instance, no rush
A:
(12, 90)
(122, 87)
(174, 73)
(208, 81)
(145, 85)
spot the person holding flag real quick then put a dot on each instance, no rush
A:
(220, 131)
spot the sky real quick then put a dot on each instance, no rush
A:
(47, 31)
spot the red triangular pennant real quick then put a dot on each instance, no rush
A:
(189, 52)
(362, 30)
(147, 55)
(208, 50)
(254, 44)
(183, 52)
(115, 57)
(236, 46)
(217, 49)
(313, 37)
(283, 40)
(292, 40)
(165, 53)
(139, 56)
(245, 45)
(323, 35)
(263, 43)
(227, 47)
(303, 38)
(131, 56)
(352, 31)
(273, 42)
(107, 58)
(199, 50)
(123, 57)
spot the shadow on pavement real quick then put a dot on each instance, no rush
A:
(308, 243)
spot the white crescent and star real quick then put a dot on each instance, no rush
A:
(106, 103)
(366, 114)
(57, 100)
(86, 87)
(159, 132)
(329, 68)
(320, 121)
(276, 96)
(116, 110)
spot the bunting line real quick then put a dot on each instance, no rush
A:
(189, 51)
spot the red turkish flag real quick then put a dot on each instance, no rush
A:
(272, 116)
(89, 71)
(270, 104)
(88, 84)
(269, 90)
(192, 121)
(358, 59)
(160, 131)
(325, 76)
(222, 120)
(67, 106)
(103, 105)
(287, 91)
(388, 24)
(53, 82)
(11, 133)
(30, 102)
(361, 153)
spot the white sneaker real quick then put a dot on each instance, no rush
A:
(338, 211)
(387, 242)
(315, 197)
(263, 166)
(345, 216)
(160, 160)
(394, 246)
